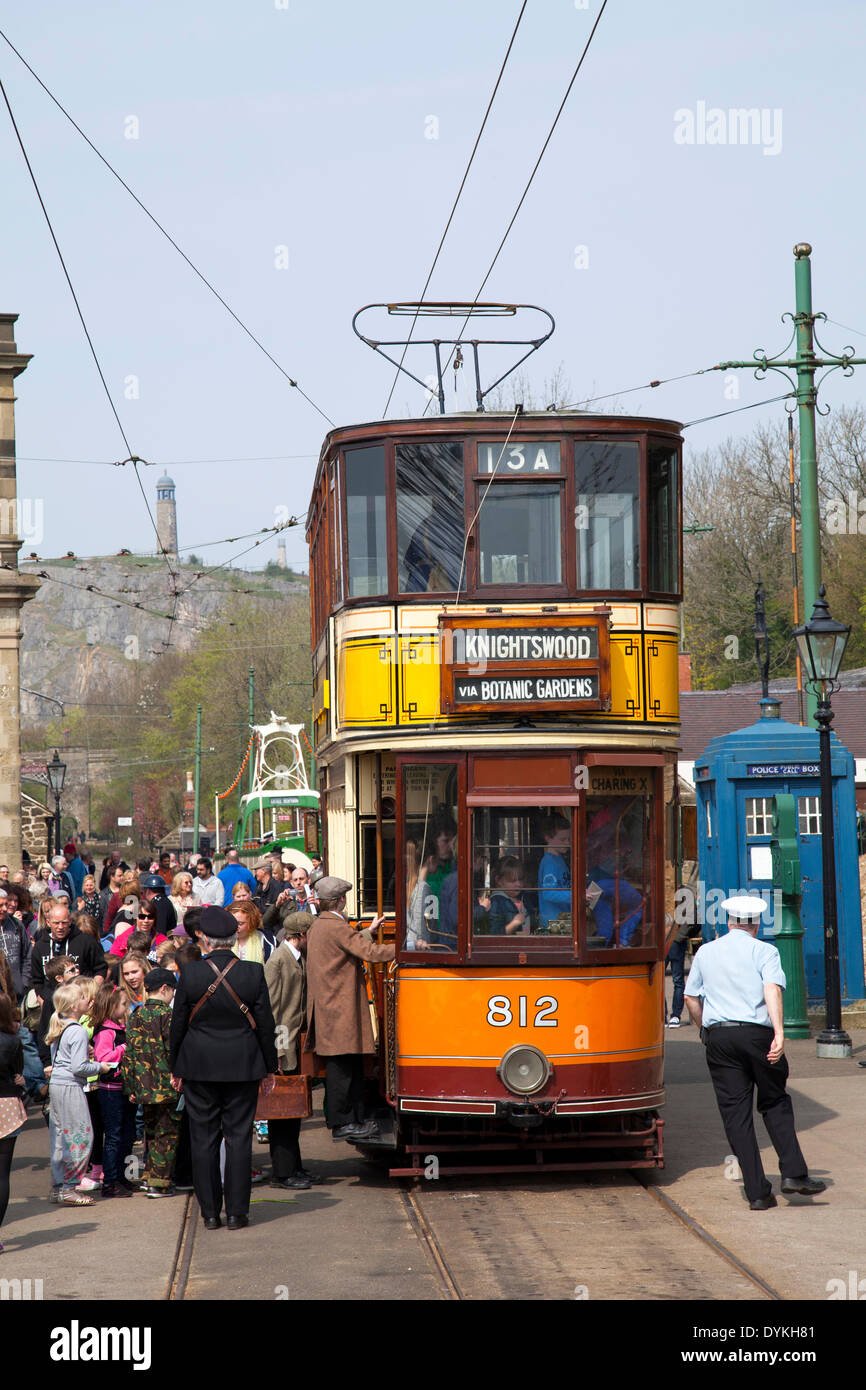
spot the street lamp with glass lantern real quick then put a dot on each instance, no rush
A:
(56, 777)
(822, 642)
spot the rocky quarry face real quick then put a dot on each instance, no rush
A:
(73, 634)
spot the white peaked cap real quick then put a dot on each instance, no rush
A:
(745, 907)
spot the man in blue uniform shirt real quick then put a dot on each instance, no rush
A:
(734, 993)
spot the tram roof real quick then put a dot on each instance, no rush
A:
(483, 422)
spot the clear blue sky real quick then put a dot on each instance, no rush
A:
(262, 127)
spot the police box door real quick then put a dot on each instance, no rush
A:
(754, 833)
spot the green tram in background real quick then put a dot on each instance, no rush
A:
(280, 809)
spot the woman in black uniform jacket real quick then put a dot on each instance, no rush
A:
(221, 1046)
(12, 1114)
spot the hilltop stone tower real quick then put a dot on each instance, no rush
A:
(166, 515)
(15, 589)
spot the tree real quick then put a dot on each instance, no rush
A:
(741, 489)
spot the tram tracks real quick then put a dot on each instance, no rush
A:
(179, 1272)
(543, 1242)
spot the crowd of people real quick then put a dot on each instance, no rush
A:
(96, 969)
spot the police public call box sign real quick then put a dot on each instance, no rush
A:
(553, 662)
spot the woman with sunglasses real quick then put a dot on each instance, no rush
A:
(146, 922)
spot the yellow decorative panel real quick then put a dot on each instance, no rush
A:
(662, 617)
(626, 687)
(662, 677)
(366, 681)
(419, 678)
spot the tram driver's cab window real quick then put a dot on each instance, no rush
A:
(618, 859)
(431, 870)
(521, 872)
(430, 527)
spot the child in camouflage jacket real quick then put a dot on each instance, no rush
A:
(147, 1080)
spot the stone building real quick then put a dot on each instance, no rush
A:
(15, 589)
(36, 824)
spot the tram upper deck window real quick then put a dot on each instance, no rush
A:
(366, 528)
(521, 875)
(663, 571)
(519, 533)
(618, 857)
(430, 890)
(430, 525)
(520, 513)
(608, 528)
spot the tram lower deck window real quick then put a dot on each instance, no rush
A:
(618, 856)
(521, 876)
(432, 878)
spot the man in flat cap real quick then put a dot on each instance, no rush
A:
(268, 889)
(734, 994)
(287, 985)
(338, 1012)
(222, 1045)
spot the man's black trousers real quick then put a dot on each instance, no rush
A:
(283, 1142)
(221, 1110)
(737, 1059)
(344, 1080)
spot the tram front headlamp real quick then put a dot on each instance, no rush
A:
(524, 1070)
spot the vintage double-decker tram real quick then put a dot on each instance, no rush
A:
(495, 630)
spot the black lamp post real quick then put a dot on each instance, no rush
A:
(822, 642)
(56, 777)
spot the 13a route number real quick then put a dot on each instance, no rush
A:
(499, 1012)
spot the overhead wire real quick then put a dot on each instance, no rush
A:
(529, 183)
(170, 239)
(454, 204)
(165, 463)
(771, 400)
(131, 457)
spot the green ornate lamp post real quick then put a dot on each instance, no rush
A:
(822, 642)
(805, 364)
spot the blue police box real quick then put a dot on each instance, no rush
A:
(736, 779)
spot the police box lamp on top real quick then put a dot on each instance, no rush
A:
(744, 907)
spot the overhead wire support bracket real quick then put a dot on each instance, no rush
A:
(454, 309)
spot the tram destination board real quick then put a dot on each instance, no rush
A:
(544, 662)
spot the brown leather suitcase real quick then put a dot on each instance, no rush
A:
(289, 1100)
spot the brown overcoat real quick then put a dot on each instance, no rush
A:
(287, 988)
(338, 1012)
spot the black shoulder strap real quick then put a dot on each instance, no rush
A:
(214, 986)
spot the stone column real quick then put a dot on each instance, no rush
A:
(15, 590)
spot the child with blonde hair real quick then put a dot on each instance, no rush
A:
(70, 1131)
(89, 990)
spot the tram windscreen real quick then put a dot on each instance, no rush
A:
(432, 878)
(521, 872)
